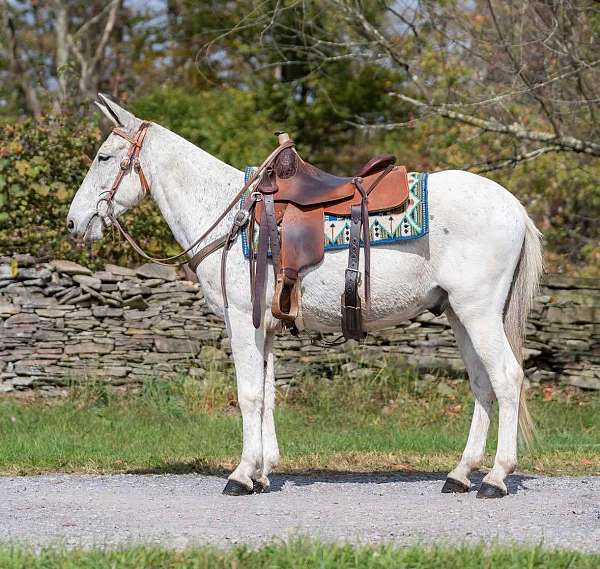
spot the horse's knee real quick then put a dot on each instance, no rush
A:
(250, 400)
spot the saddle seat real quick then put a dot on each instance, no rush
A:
(310, 186)
(307, 187)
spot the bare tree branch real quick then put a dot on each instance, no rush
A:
(108, 28)
(356, 16)
(516, 130)
(490, 166)
(520, 71)
(62, 49)
(93, 20)
(88, 65)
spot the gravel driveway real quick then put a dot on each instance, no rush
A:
(181, 510)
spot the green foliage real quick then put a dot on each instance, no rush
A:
(561, 193)
(300, 554)
(41, 167)
(559, 190)
(322, 118)
(227, 123)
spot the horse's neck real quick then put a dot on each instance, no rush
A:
(190, 186)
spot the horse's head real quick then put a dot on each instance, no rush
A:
(115, 181)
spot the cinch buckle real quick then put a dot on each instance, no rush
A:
(359, 279)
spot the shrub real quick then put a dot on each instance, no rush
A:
(42, 164)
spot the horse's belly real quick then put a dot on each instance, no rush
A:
(401, 287)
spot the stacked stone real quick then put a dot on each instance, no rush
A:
(563, 334)
(60, 322)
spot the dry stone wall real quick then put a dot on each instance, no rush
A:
(61, 322)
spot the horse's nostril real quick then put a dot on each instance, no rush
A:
(70, 225)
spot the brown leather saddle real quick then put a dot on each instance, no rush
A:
(291, 198)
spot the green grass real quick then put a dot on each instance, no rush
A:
(390, 421)
(300, 555)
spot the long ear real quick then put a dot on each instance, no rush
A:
(116, 114)
(108, 114)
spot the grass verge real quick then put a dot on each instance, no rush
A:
(391, 421)
(300, 555)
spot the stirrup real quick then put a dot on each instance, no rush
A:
(285, 302)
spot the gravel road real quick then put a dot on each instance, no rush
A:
(182, 510)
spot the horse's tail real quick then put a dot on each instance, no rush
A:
(524, 287)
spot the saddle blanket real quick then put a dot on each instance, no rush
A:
(411, 221)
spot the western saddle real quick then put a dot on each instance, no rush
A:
(288, 203)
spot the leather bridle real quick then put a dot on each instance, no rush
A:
(225, 241)
(132, 159)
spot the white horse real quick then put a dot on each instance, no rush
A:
(481, 261)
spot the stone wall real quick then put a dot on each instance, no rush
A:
(60, 322)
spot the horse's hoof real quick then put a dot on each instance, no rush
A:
(259, 487)
(234, 488)
(490, 491)
(452, 486)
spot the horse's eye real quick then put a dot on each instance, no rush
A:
(103, 157)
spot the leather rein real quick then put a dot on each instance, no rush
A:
(132, 160)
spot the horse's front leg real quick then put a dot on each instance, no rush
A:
(247, 346)
(270, 447)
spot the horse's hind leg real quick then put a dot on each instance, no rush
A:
(486, 332)
(474, 453)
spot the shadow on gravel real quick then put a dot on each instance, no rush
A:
(514, 483)
(198, 466)
(308, 478)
